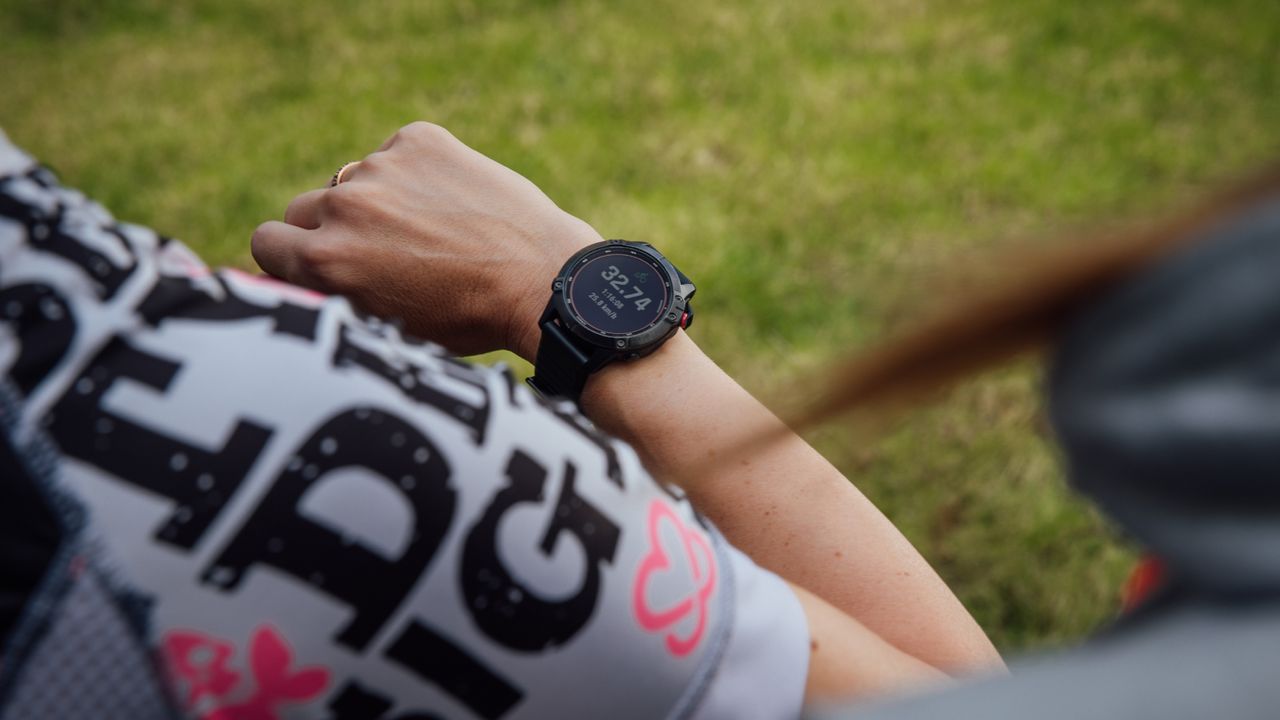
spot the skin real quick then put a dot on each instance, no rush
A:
(463, 250)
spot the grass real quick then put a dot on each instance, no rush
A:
(816, 166)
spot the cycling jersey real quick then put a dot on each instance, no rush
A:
(298, 512)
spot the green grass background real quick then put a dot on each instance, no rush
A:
(817, 166)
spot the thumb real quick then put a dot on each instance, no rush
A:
(280, 249)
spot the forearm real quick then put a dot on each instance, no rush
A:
(847, 661)
(782, 503)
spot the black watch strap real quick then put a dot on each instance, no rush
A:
(563, 364)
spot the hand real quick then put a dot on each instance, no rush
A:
(427, 230)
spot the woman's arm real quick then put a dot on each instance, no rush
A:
(464, 250)
(783, 503)
(848, 661)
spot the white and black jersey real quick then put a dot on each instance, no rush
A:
(314, 517)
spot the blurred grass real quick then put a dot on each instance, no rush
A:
(816, 167)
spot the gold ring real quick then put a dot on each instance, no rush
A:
(337, 177)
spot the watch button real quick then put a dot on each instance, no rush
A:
(684, 320)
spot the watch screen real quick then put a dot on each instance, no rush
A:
(618, 293)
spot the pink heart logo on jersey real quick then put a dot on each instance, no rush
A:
(702, 568)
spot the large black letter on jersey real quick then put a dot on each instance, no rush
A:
(506, 610)
(413, 384)
(43, 324)
(356, 702)
(179, 298)
(200, 481)
(50, 233)
(278, 535)
(432, 657)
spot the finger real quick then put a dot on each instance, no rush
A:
(304, 210)
(344, 173)
(277, 247)
(417, 131)
(386, 144)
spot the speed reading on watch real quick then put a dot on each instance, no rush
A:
(618, 293)
(618, 282)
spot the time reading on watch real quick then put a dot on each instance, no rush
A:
(618, 293)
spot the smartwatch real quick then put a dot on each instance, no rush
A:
(614, 300)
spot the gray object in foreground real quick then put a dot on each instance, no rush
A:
(1192, 662)
(1166, 397)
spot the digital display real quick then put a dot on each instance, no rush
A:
(618, 293)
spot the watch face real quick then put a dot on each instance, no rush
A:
(618, 293)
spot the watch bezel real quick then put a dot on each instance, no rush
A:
(636, 343)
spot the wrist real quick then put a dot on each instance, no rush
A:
(565, 238)
(523, 331)
(609, 396)
(659, 403)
